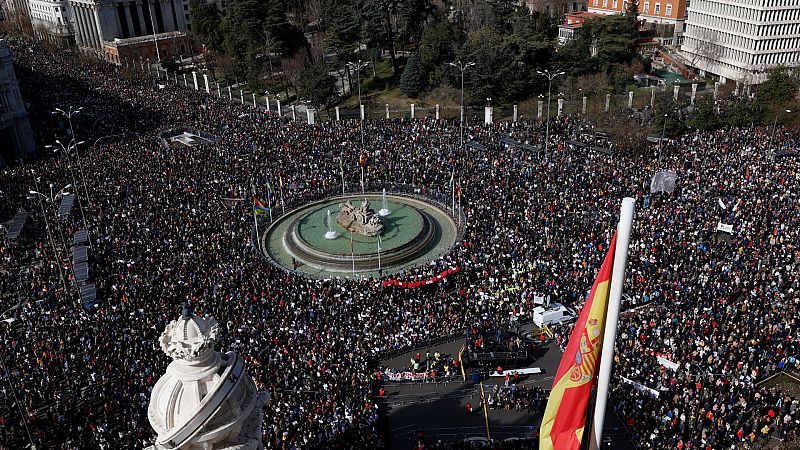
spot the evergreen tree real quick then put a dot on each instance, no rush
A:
(410, 80)
(316, 85)
(206, 22)
(342, 33)
(667, 119)
(704, 114)
(437, 47)
(779, 89)
(632, 13)
(743, 113)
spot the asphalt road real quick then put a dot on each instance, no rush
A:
(439, 409)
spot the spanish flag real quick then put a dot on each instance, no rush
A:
(565, 416)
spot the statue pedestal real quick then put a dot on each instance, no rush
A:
(384, 212)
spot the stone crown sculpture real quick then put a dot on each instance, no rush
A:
(363, 220)
(189, 340)
(205, 400)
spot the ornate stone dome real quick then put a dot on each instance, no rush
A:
(206, 399)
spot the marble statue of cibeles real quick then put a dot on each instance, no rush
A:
(362, 220)
(205, 400)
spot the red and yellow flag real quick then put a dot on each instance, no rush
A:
(565, 415)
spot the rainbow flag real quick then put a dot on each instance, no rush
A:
(258, 207)
(565, 416)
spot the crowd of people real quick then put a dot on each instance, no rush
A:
(173, 225)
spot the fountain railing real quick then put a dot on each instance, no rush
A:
(440, 199)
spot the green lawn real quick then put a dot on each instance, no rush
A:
(383, 88)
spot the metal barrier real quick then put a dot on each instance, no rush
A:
(424, 397)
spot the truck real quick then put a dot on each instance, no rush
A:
(553, 314)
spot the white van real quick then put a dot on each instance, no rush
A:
(555, 313)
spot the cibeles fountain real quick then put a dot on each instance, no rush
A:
(206, 400)
(342, 235)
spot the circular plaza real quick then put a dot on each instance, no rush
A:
(318, 240)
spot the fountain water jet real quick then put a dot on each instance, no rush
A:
(384, 211)
(330, 234)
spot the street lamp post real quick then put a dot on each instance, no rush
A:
(65, 152)
(4, 368)
(68, 115)
(550, 76)
(775, 129)
(461, 66)
(357, 67)
(40, 196)
(661, 141)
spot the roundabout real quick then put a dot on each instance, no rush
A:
(319, 240)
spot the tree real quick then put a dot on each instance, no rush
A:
(410, 80)
(286, 37)
(245, 25)
(779, 89)
(632, 13)
(704, 115)
(704, 47)
(437, 47)
(743, 113)
(615, 39)
(379, 26)
(316, 85)
(342, 33)
(206, 23)
(342, 36)
(486, 79)
(575, 57)
(667, 119)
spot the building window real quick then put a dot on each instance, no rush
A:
(615, 4)
(657, 9)
(669, 10)
(646, 7)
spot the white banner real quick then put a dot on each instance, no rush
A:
(406, 376)
(641, 387)
(724, 227)
(722, 204)
(667, 363)
(511, 372)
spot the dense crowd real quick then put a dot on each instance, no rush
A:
(167, 229)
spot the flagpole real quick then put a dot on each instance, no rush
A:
(283, 204)
(255, 217)
(269, 201)
(352, 255)
(459, 201)
(341, 170)
(453, 189)
(612, 318)
(485, 413)
(379, 255)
